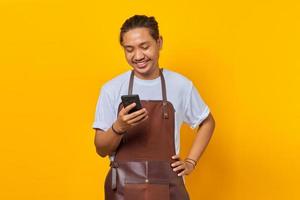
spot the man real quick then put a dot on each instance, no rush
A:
(144, 145)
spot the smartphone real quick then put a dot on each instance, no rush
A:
(129, 99)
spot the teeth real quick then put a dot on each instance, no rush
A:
(142, 63)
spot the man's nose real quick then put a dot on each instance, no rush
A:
(138, 56)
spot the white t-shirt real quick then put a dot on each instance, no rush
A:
(189, 106)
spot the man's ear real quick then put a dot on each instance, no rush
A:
(160, 42)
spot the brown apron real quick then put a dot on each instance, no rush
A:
(141, 169)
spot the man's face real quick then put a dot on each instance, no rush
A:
(141, 51)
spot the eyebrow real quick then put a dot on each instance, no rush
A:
(139, 44)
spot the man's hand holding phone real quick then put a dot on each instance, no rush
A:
(125, 120)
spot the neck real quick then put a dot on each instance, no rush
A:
(151, 75)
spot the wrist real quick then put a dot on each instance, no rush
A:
(115, 128)
(192, 161)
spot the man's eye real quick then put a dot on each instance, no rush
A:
(145, 47)
(129, 50)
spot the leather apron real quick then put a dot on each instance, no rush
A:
(141, 169)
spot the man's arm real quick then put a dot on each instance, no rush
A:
(204, 133)
(106, 142)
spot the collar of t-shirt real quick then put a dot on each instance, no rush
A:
(146, 82)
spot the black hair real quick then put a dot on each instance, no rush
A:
(139, 21)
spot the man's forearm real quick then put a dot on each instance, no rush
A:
(203, 137)
(106, 142)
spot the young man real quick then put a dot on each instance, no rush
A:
(144, 145)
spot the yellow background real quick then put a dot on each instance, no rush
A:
(243, 56)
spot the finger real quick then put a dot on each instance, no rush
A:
(176, 157)
(144, 119)
(187, 171)
(136, 123)
(130, 116)
(184, 172)
(177, 163)
(128, 108)
(180, 167)
(138, 118)
(136, 113)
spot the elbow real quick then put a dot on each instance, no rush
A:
(101, 152)
(104, 146)
(100, 149)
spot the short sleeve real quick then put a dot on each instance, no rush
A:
(196, 109)
(104, 114)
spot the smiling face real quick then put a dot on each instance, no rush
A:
(142, 52)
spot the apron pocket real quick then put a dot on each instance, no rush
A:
(146, 191)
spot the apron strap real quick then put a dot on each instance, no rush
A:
(131, 83)
(163, 88)
(114, 166)
(164, 95)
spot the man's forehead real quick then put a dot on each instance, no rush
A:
(129, 44)
(137, 36)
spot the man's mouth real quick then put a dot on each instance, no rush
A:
(142, 64)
